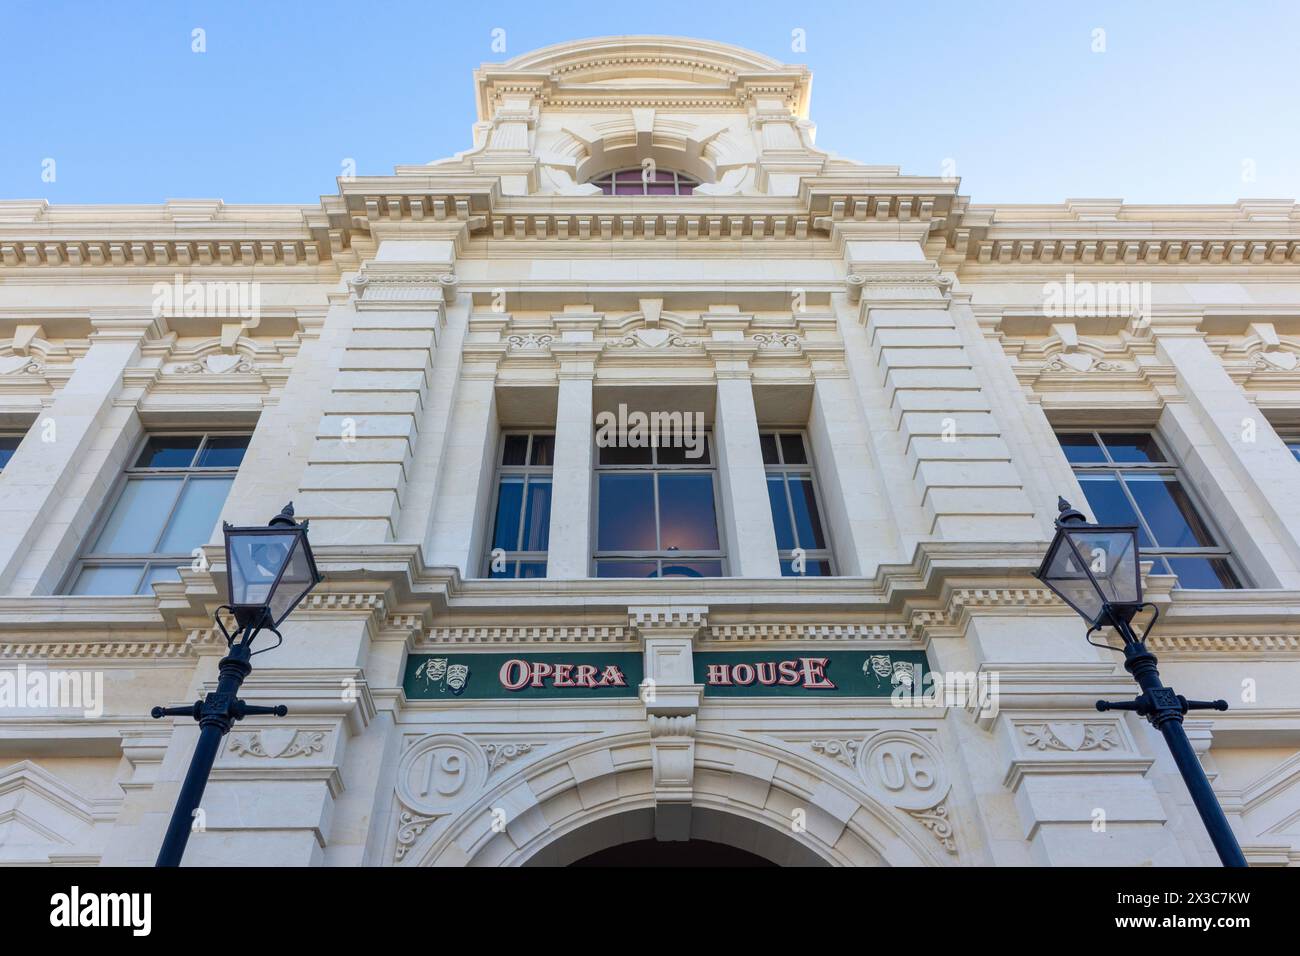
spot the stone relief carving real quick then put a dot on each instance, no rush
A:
(218, 363)
(1277, 361)
(651, 338)
(903, 769)
(1080, 362)
(409, 827)
(19, 365)
(498, 755)
(776, 340)
(936, 820)
(530, 341)
(845, 751)
(1071, 736)
(277, 743)
(439, 773)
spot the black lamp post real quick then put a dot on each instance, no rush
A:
(1096, 570)
(268, 571)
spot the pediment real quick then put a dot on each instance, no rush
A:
(40, 814)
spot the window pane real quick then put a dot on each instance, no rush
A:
(158, 572)
(614, 455)
(1168, 510)
(175, 451)
(629, 189)
(767, 442)
(661, 189)
(1136, 447)
(532, 569)
(543, 450)
(686, 189)
(1109, 504)
(506, 571)
(812, 569)
(1204, 573)
(626, 519)
(629, 175)
(137, 518)
(780, 513)
(537, 518)
(510, 497)
(8, 444)
(691, 569)
(195, 515)
(226, 451)
(686, 516)
(515, 451)
(108, 579)
(792, 450)
(807, 521)
(1295, 448)
(626, 569)
(1081, 449)
(681, 454)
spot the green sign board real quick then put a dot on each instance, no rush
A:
(522, 676)
(808, 673)
(801, 673)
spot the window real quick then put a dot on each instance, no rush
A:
(1293, 442)
(8, 445)
(522, 522)
(656, 515)
(1129, 479)
(167, 507)
(635, 182)
(792, 493)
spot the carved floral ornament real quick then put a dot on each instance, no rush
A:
(217, 363)
(20, 365)
(902, 769)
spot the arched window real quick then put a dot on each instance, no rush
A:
(636, 182)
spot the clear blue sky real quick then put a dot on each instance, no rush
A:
(1186, 96)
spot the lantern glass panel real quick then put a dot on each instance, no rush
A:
(1112, 557)
(299, 577)
(1064, 573)
(255, 561)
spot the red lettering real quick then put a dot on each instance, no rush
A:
(586, 676)
(562, 675)
(789, 671)
(613, 677)
(742, 674)
(719, 675)
(514, 674)
(814, 677)
(540, 673)
(766, 673)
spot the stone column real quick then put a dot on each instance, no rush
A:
(970, 487)
(1218, 433)
(672, 702)
(570, 543)
(367, 435)
(857, 512)
(461, 521)
(746, 512)
(67, 464)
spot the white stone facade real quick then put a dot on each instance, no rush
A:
(915, 337)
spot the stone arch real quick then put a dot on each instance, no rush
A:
(608, 782)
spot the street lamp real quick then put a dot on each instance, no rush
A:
(268, 571)
(1096, 569)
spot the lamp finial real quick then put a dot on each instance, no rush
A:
(285, 516)
(1067, 513)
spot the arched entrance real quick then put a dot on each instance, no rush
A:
(601, 793)
(717, 838)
